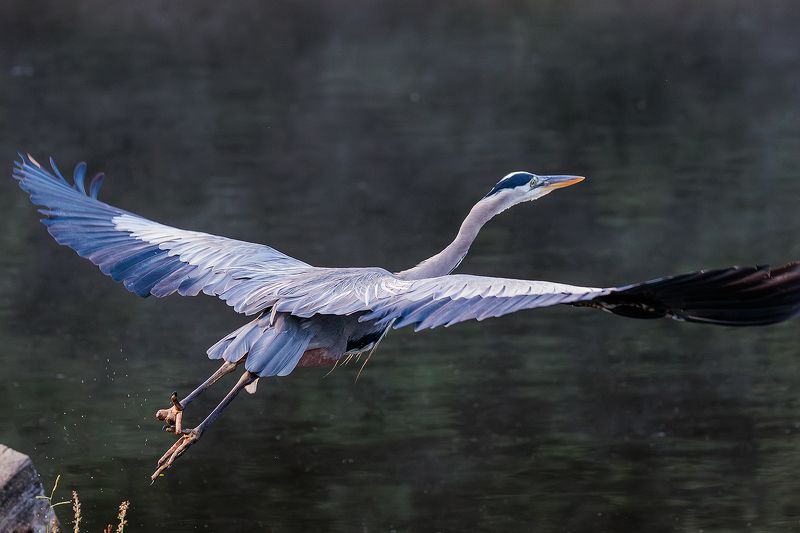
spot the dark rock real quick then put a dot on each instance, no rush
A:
(20, 510)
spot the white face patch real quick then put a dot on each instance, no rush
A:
(517, 195)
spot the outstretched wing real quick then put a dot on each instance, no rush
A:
(147, 257)
(443, 301)
(735, 296)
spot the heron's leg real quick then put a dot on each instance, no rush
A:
(190, 436)
(173, 416)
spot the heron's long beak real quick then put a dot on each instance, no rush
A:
(558, 182)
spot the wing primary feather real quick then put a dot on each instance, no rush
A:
(95, 184)
(78, 176)
(56, 171)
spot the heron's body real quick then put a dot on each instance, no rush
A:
(321, 340)
(308, 316)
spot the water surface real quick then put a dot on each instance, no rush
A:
(361, 135)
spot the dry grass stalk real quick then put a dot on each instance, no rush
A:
(123, 511)
(76, 512)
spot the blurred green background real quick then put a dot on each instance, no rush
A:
(360, 133)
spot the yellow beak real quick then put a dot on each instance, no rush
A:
(559, 182)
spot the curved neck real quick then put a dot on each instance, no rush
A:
(448, 259)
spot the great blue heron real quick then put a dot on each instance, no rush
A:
(308, 316)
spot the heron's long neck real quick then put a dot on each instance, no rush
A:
(448, 259)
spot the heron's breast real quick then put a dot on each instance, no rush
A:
(318, 357)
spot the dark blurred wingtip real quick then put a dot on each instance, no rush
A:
(735, 296)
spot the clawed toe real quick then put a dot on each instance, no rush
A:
(189, 437)
(173, 416)
(172, 419)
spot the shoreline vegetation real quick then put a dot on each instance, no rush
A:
(52, 519)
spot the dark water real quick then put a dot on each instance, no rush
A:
(353, 133)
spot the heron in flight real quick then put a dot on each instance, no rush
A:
(307, 316)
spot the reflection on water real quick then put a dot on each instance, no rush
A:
(355, 136)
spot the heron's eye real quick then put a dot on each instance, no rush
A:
(535, 182)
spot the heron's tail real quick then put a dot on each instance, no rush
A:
(735, 296)
(273, 348)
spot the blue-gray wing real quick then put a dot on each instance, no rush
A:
(733, 296)
(147, 257)
(447, 300)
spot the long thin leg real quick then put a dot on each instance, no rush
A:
(174, 415)
(223, 370)
(191, 436)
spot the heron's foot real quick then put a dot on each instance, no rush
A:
(189, 437)
(173, 416)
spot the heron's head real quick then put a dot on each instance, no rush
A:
(519, 187)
